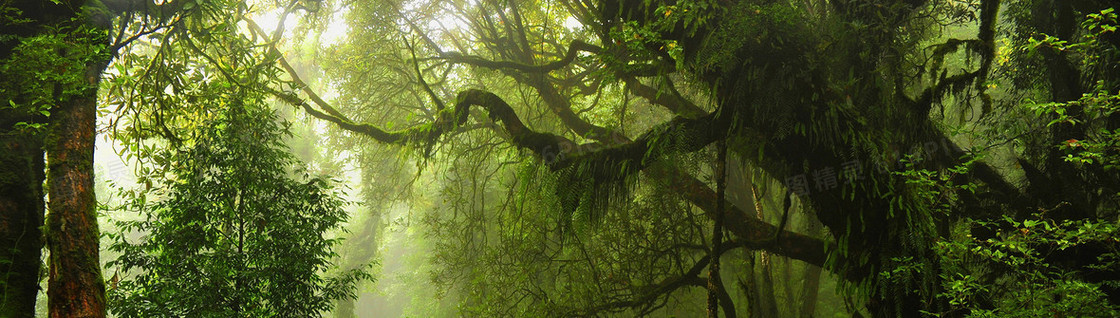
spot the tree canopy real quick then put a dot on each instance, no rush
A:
(623, 157)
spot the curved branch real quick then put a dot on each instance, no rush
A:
(756, 233)
(672, 101)
(679, 135)
(420, 77)
(342, 122)
(536, 78)
(569, 57)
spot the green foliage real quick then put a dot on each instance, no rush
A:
(912, 217)
(1099, 104)
(1103, 148)
(510, 259)
(936, 190)
(1015, 275)
(1095, 51)
(10, 16)
(45, 69)
(1026, 269)
(161, 79)
(753, 34)
(236, 230)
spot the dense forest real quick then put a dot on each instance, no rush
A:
(557, 158)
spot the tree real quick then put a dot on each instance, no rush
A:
(76, 288)
(54, 53)
(234, 232)
(21, 193)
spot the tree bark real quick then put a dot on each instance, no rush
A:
(762, 278)
(76, 288)
(715, 286)
(21, 216)
(22, 172)
(810, 290)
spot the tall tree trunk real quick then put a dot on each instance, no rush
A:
(715, 285)
(789, 298)
(21, 163)
(76, 288)
(767, 302)
(811, 287)
(21, 215)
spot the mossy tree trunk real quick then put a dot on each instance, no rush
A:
(76, 288)
(21, 216)
(22, 166)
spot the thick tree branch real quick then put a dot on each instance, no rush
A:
(673, 102)
(559, 104)
(754, 233)
(546, 146)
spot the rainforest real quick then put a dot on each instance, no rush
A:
(559, 158)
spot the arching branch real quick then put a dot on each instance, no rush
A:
(672, 101)
(573, 52)
(546, 146)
